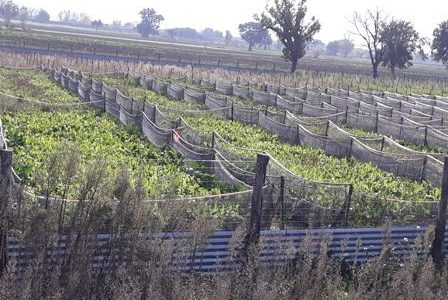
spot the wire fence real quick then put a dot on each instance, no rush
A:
(296, 201)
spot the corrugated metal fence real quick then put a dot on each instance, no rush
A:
(222, 251)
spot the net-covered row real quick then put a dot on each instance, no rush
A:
(164, 129)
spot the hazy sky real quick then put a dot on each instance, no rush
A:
(227, 14)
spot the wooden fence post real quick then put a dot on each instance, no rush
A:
(347, 206)
(253, 232)
(281, 200)
(213, 140)
(5, 198)
(437, 244)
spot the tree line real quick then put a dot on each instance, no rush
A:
(390, 43)
(9, 10)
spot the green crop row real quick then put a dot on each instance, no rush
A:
(33, 85)
(129, 88)
(34, 135)
(311, 163)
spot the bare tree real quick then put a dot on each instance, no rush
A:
(10, 10)
(228, 37)
(347, 45)
(369, 27)
(24, 15)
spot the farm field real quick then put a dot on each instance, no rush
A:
(375, 190)
(137, 92)
(354, 72)
(263, 159)
(33, 85)
(33, 135)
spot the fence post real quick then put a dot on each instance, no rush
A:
(350, 148)
(253, 232)
(346, 114)
(5, 198)
(377, 120)
(327, 127)
(383, 140)
(348, 203)
(425, 143)
(281, 200)
(213, 139)
(437, 244)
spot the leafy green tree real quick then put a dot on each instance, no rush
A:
(440, 43)
(42, 16)
(346, 46)
(266, 39)
(209, 34)
(400, 43)
(228, 37)
(24, 14)
(253, 33)
(183, 33)
(340, 47)
(150, 23)
(333, 48)
(97, 24)
(287, 19)
(9, 10)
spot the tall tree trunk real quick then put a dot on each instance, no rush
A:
(375, 71)
(392, 70)
(294, 65)
(250, 46)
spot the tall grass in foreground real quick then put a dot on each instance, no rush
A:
(134, 268)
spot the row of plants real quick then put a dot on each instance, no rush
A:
(33, 135)
(309, 162)
(355, 131)
(370, 134)
(33, 85)
(131, 88)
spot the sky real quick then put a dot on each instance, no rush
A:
(228, 14)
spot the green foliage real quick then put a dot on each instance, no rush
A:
(341, 47)
(400, 42)
(314, 164)
(372, 186)
(254, 33)
(150, 22)
(440, 43)
(34, 135)
(130, 88)
(33, 85)
(287, 20)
